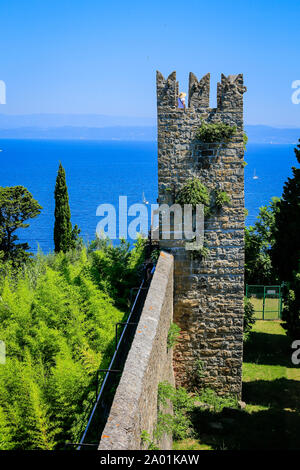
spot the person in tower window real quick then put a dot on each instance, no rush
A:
(181, 100)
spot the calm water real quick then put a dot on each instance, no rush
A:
(98, 172)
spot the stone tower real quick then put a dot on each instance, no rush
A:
(208, 299)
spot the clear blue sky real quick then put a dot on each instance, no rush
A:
(93, 56)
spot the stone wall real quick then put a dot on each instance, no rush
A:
(208, 299)
(134, 408)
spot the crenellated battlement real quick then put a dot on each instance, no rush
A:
(229, 92)
(208, 292)
(167, 90)
(199, 91)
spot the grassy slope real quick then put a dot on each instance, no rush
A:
(271, 389)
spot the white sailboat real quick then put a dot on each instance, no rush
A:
(144, 199)
(254, 175)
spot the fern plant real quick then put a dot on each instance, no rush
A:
(58, 318)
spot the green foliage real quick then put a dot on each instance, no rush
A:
(194, 192)
(217, 402)
(199, 369)
(65, 237)
(249, 319)
(16, 207)
(147, 441)
(215, 132)
(117, 268)
(57, 318)
(285, 252)
(178, 424)
(165, 392)
(259, 241)
(245, 140)
(181, 423)
(173, 334)
(272, 248)
(271, 385)
(222, 199)
(155, 255)
(291, 310)
(202, 252)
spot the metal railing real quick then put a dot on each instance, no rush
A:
(110, 370)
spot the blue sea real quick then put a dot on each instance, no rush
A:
(98, 172)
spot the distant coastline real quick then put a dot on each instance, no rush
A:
(100, 127)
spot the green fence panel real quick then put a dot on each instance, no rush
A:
(266, 300)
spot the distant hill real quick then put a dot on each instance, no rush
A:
(81, 133)
(101, 127)
(271, 135)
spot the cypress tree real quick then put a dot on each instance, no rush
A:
(62, 226)
(17, 206)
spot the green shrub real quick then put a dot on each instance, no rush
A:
(199, 369)
(215, 132)
(201, 253)
(222, 199)
(217, 402)
(249, 319)
(173, 334)
(147, 441)
(194, 192)
(291, 310)
(155, 255)
(179, 424)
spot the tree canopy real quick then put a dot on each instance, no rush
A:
(259, 240)
(16, 207)
(286, 250)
